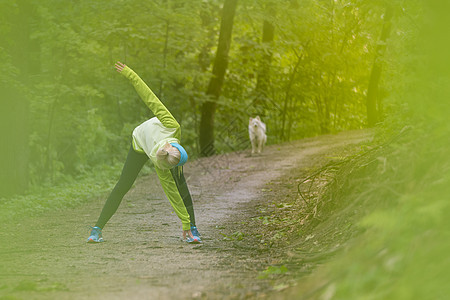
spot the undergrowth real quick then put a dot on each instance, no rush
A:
(75, 191)
(325, 190)
(396, 193)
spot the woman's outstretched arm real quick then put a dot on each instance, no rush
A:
(149, 98)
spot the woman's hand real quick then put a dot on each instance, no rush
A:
(187, 232)
(119, 66)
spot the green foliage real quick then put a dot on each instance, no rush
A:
(236, 236)
(72, 192)
(399, 192)
(402, 207)
(273, 270)
(60, 54)
(81, 113)
(40, 286)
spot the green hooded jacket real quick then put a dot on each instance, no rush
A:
(153, 134)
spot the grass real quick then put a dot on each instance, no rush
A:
(75, 191)
(401, 191)
(401, 194)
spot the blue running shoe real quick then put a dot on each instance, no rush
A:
(195, 231)
(96, 235)
(195, 240)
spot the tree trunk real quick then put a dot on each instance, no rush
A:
(287, 98)
(215, 85)
(14, 111)
(14, 144)
(373, 114)
(263, 77)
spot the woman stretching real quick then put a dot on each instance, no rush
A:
(157, 139)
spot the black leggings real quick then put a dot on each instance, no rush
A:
(133, 165)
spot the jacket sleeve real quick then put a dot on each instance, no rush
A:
(170, 189)
(150, 99)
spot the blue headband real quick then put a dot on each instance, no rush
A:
(184, 156)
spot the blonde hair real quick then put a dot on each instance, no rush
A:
(168, 154)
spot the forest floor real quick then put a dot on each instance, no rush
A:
(248, 212)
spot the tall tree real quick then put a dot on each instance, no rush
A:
(215, 85)
(263, 76)
(373, 99)
(15, 103)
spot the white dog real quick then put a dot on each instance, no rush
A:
(257, 133)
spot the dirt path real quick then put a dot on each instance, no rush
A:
(143, 256)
